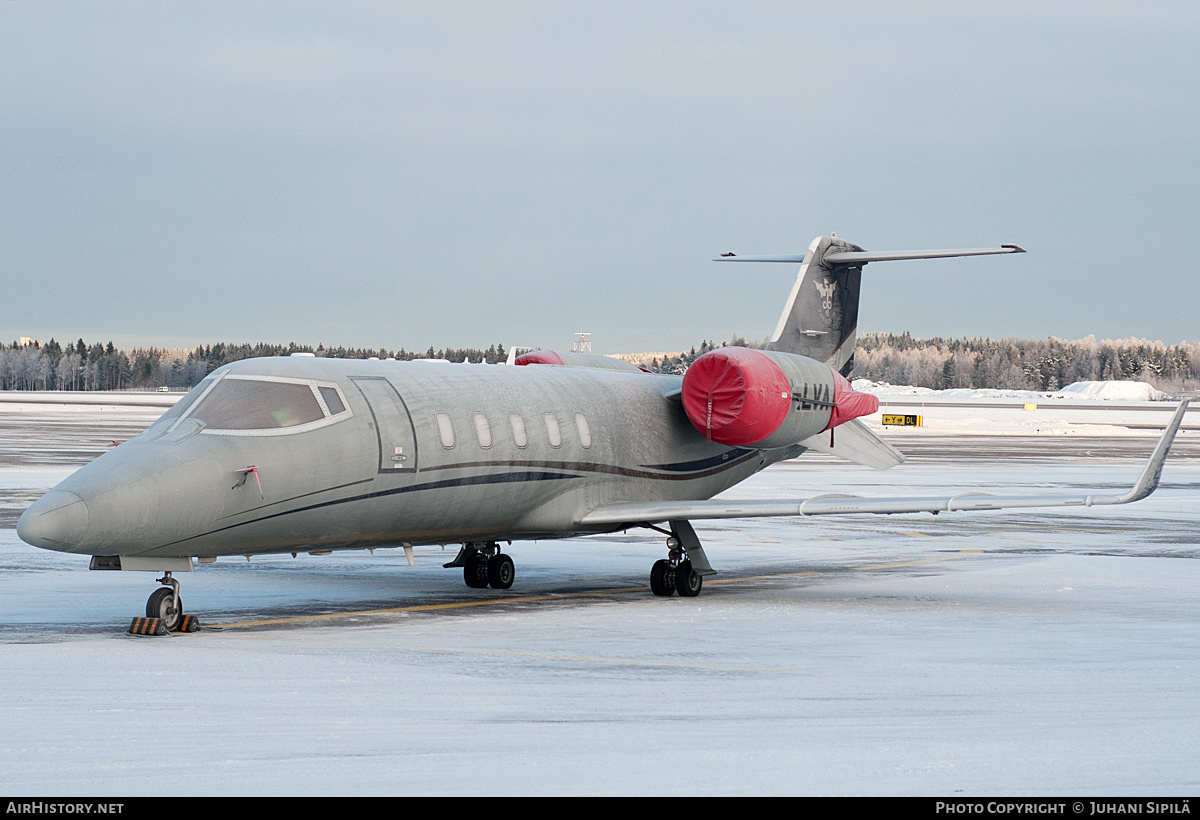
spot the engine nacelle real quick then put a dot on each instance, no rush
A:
(592, 360)
(762, 398)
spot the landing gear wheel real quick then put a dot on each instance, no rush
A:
(500, 571)
(475, 571)
(687, 580)
(662, 578)
(161, 604)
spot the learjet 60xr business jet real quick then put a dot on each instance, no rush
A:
(279, 455)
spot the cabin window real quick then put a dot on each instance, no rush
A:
(483, 431)
(585, 432)
(553, 431)
(445, 430)
(520, 436)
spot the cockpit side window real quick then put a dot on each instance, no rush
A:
(266, 405)
(332, 400)
(180, 407)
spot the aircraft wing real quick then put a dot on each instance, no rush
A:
(841, 504)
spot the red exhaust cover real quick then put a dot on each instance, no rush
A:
(539, 357)
(848, 403)
(736, 396)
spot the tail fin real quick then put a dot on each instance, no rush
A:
(820, 319)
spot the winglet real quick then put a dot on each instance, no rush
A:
(1148, 482)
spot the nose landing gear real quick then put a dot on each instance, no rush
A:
(164, 612)
(166, 605)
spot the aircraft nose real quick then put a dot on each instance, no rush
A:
(56, 521)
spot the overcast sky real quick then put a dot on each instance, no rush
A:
(412, 174)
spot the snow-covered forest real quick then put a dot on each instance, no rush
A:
(1021, 364)
(1006, 364)
(937, 363)
(78, 366)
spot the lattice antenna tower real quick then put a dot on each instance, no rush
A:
(583, 344)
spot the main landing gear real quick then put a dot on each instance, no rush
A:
(484, 565)
(685, 566)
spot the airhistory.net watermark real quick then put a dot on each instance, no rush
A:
(46, 807)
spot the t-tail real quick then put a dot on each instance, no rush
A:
(820, 319)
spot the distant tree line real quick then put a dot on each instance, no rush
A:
(680, 363)
(883, 357)
(1006, 364)
(1022, 364)
(79, 366)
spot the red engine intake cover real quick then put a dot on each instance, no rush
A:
(848, 403)
(736, 396)
(539, 357)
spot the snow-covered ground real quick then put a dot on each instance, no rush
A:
(1122, 391)
(1005, 653)
(1081, 409)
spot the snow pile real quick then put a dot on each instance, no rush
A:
(1112, 391)
(885, 390)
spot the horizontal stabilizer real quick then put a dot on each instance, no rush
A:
(854, 442)
(863, 257)
(838, 504)
(792, 258)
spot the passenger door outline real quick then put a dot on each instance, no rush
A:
(394, 429)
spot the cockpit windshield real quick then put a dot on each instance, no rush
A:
(268, 405)
(241, 404)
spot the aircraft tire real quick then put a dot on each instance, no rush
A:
(662, 579)
(159, 606)
(687, 580)
(500, 571)
(475, 572)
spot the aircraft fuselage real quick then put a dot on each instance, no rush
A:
(417, 453)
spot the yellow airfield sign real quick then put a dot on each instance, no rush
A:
(898, 420)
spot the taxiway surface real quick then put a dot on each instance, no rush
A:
(1000, 653)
